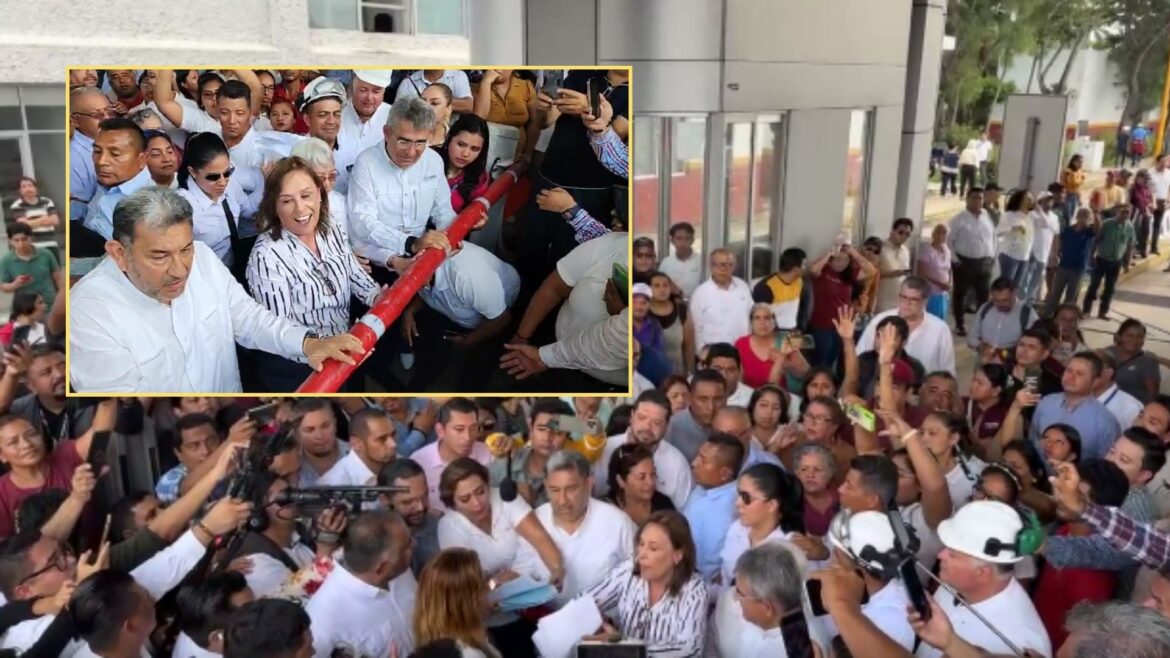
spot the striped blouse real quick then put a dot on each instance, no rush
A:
(673, 628)
(293, 283)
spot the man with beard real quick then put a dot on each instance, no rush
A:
(648, 422)
(372, 447)
(45, 407)
(413, 505)
(316, 432)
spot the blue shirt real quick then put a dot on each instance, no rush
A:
(408, 439)
(1097, 425)
(167, 489)
(99, 217)
(1075, 248)
(758, 455)
(710, 513)
(82, 178)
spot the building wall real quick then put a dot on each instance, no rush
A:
(219, 32)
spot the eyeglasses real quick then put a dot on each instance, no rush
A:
(321, 273)
(722, 264)
(330, 177)
(96, 115)
(59, 560)
(818, 419)
(910, 300)
(211, 178)
(747, 499)
(406, 143)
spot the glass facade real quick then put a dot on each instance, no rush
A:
(393, 16)
(752, 197)
(857, 173)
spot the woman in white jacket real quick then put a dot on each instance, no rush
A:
(1016, 232)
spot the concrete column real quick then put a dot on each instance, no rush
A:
(497, 31)
(927, 28)
(815, 154)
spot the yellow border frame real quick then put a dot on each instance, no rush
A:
(65, 265)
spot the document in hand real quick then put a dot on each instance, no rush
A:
(521, 593)
(558, 633)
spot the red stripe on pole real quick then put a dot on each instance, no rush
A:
(391, 303)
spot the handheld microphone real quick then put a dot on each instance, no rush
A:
(508, 485)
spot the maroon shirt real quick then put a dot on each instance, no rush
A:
(984, 424)
(62, 462)
(816, 523)
(830, 293)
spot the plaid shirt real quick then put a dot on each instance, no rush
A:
(585, 227)
(1142, 541)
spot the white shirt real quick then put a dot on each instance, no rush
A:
(185, 647)
(686, 274)
(350, 471)
(931, 342)
(208, 218)
(738, 542)
(364, 134)
(313, 290)
(929, 545)
(971, 236)
(268, 574)
(455, 79)
(188, 346)
(674, 472)
(1160, 184)
(721, 315)
(158, 575)
(472, 285)
(195, 120)
(983, 150)
(388, 204)
(732, 636)
(1017, 234)
(348, 612)
(339, 217)
(248, 152)
(887, 610)
(586, 269)
(177, 134)
(1124, 407)
(892, 259)
(600, 351)
(432, 464)
(499, 549)
(604, 540)
(1047, 226)
(961, 486)
(1011, 611)
(742, 397)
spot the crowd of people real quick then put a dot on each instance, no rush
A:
(229, 227)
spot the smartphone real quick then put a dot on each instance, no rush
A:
(552, 82)
(570, 424)
(918, 596)
(19, 337)
(1032, 378)
(593, 91)
(812, 588)
(616, 649)
(93, 558)
(859, 415)
(98, 450)
(263, 415)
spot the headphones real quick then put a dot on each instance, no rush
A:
(1027, 541)
(883, 564)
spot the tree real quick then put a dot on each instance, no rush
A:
(1060, 27)
(1138, 41)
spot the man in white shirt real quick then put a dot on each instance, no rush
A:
(983, 150)
(721, 307)
(457, 430)
(894, 263)
(683, 264)
(1046, 227)
(1125, 407)
(592, 535)
(930, 338)
(319, 447)
(367, 602)
(455, 79)
(236, 106)
(971, 237)
(724, 359)
(321, 104)
(981, 547)
(465, 306)
(396, 188)
(648, 422)
(205, 608)
(162, 313)
(1160, 183)
(113, 615)
(412, 504)
(269, 628)
(888, 599)
(372, 446)
(769, 584)
(363, 118)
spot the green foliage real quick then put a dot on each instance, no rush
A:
(1137, 42)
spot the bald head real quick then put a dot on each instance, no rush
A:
(734, 421)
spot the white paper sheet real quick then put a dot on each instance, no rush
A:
(558, 633)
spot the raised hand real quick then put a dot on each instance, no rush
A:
(846, 322)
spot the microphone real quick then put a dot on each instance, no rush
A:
(508, 485)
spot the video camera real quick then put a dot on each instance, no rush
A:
(347, 499)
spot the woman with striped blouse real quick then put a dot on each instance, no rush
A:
(658, 598)
(302, 267)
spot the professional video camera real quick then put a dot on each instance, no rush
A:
(347, 499)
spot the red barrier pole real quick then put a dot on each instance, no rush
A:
(394, 300)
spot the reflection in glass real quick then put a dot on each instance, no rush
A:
(765, 190)
(739, 175)
(856, 174)
(688, 141)
(647, 181)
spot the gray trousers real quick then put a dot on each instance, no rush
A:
(1066, 283)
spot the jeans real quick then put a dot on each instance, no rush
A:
(826, 346)
(966, 178)
(970, 273)
(1071, 202)
(1108, 270)
(948, 182)
(1066, 283)
(1035, 278)
(1016, 270)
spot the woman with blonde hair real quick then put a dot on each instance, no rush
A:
(452, 603)
(439, 97)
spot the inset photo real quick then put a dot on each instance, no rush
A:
(329, 230)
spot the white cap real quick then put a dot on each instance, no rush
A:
(641, 289)
(851, 533)
(376, 77)
(321, 87)
(1044, 196)
(969, 530)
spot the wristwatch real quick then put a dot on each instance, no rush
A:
(309, 334)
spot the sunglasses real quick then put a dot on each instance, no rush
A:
(747, 499)
(211, 178)
(322, 275)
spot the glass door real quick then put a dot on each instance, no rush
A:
(752, 194)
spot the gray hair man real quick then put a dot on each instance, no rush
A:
(592, 535)
(162, 313)
(397, 188)
(768, 586)
(1114, 628)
